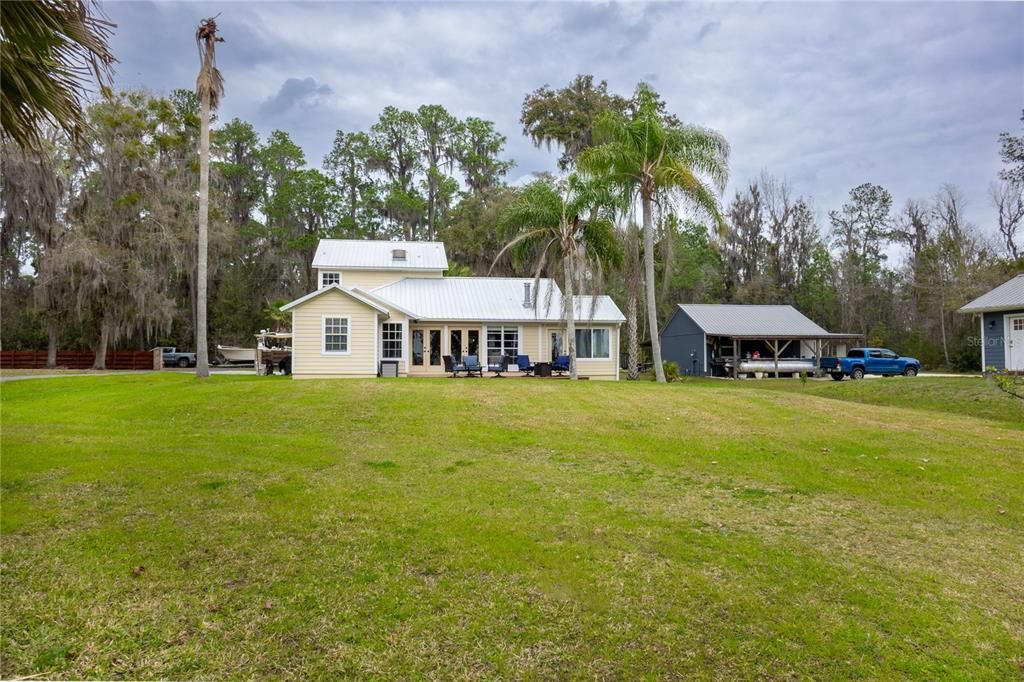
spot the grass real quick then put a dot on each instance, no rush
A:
(970, 396)
(157, 526)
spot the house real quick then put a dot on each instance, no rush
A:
(385, 307)
(724, 340)
(1000, 315)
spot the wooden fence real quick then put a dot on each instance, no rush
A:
(78, 359)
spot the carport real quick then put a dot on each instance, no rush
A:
(734, 340)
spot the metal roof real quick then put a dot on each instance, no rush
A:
(362, 298)
(755, 321)
(365, 254)
(490, 298)
(1006, 296)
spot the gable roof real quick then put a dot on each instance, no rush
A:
(1006, 296)
(365, 254)
(489, 299)
(335, 287)
(757, 321)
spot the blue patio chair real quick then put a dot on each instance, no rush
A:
(471, 365)
(452, 367)
(524, 364)
(561, 365)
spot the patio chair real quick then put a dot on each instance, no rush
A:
(471, 365)
(499, 367)
(561, 365)
(524, 364)
(451, 367)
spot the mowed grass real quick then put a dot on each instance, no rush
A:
(971, 396)
(258, 527)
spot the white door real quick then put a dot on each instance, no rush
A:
(1015, 342)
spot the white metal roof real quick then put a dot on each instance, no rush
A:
(365, 254)
(1006, 296)
(765, 321)
(490, 299)
(336, 287)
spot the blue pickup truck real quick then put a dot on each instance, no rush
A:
(861, 361)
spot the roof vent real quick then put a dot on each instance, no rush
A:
(397, 254)
(527, 300)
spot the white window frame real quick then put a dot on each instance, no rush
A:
(501, 329)
(329, 272)
(384, 339)
(348, 335)
(607, 330)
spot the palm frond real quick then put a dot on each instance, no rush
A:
(209, 82)
(50, 53)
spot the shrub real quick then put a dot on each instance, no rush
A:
(671, 370)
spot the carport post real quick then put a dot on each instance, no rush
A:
(735, 358)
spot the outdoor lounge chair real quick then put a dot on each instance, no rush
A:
(452, 367)
(561, 365)
(471, 365)
(499, 367)
(524, 364)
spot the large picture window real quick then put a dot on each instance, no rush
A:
(502, 341)
(336, 335)
(593, 344)
(329, 278)
(391, 339)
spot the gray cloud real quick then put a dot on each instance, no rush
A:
(295, 93)
(908, 95)
(707, 29)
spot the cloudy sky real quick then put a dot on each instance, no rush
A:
(907, 95)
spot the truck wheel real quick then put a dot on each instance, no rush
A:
(183, 362)
(836, 376)
(910, 372)
(857, 374)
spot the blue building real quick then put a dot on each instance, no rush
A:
(737, 340)
(1000, 315)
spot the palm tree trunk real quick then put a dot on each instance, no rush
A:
(569, 313)
(202, 355)
(650, 286)
(51, 344)
(632, 339)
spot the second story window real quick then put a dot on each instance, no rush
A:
(329, 278)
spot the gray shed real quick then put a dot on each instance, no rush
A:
(1001, 322)
(729, 340)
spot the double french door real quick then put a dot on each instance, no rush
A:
(463, 341)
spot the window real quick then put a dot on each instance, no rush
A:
(417, 346)
(556, 345)
(593, 344)
(391, 338)
(1018, 324)
(435, 346)
(855, 354)
(875, 353)
(501, 341)
(329, 278)
(336, 335)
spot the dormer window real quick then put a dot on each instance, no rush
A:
(329, 279)
(398, 254)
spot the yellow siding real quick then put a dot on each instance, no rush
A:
(594, 369)
(308, 358)
(371, 279)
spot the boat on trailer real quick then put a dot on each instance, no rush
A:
(236, 355)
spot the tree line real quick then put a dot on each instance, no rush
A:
(99, 238)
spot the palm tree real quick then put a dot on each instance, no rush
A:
(210, 87)
(569, 224)
(49, 51)
(657, 161)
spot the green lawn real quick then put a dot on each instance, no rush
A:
(257, 527)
